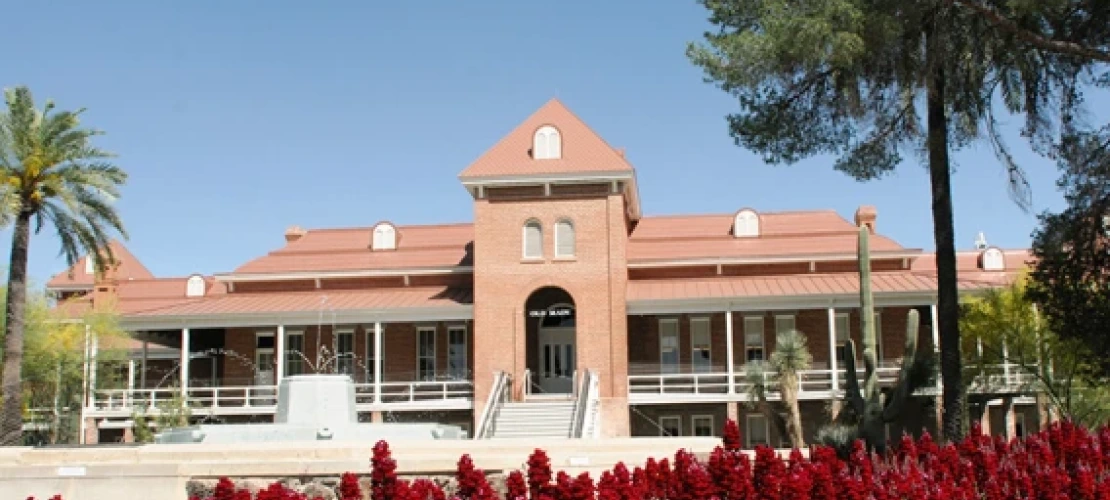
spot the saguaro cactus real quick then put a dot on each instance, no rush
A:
(871, 411)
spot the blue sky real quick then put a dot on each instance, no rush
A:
(238, 119)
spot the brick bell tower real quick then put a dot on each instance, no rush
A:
(553, 207)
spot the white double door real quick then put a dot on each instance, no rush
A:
(557, 360)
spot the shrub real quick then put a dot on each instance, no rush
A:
(1063, 462)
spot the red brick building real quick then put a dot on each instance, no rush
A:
(561, 291)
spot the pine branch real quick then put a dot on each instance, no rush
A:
(1035, 39)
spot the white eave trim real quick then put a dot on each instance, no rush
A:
(792, 302)
(298, 318)
(361, 273)
(727, 261)
(540, 178)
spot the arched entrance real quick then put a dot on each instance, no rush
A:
(552, 347)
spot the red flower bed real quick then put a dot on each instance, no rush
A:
(1063, 462)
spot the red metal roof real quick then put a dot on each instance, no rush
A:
(384, 298)
(583, 151)
(130, 268)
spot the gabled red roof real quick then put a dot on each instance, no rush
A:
(130, 268)
(583, 151)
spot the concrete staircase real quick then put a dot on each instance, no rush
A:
(535, 418)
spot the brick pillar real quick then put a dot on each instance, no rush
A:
(733, 411)
(92, 432)
(129, 435)
(376, 417)
(985, 419)
(614, 417)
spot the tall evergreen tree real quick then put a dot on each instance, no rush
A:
(52, 173)
(867, 80)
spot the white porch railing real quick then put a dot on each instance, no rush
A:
(815, 384)
(262, 399)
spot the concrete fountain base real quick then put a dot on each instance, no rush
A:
(311, 408)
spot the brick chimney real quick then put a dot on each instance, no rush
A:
(865, 216)
(294, 233)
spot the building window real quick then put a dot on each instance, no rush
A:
(564, 238)
(753, 339)
(385, 237)
(533, 240)
(668, 345)
(843, 333)
(547, 144)
(745, 224)
(456, 353)
(264, 358)
(194, 287)
(784, 323)
(757, 432)
(294, 353)
(670, 426)
(371, 353)
(345, 352)
(426, 353)
(993, 260)
(701, 356)
(702, 425)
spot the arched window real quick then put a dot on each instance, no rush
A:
(385, 237)
(564, 238)
(194, 287)
(533, 239)
(745, 224)
(547, 144)
(993, 260)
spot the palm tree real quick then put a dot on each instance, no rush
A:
(50, 173)
(790, 358)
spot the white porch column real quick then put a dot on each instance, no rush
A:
(378, 362)
(92, 365)
(729, 355)
(142, 365)
(279, 354)
(832, 350)
(1005, 362)
(184, 368)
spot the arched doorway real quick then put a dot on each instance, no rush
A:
(552, 346)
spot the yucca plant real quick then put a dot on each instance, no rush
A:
(790, 358)
(49, 173)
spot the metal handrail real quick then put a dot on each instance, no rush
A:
(582, 398)
(499, 391)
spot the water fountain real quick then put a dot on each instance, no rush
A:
(311, 408)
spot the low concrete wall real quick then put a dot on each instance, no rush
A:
(159, 472)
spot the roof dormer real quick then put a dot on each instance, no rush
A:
(384, 237)
(547, 143)
(745, 224)
(992, 259)
(195, 286)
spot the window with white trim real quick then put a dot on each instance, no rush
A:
(701, 355)
(668, 345)
(564, 238)
(426, 353)
(345, 351)
(745, 224)
(843, 333)
(532, 240)
(753, 339)
(547, 143)
(194, 287)
(784, 323)
(294, 353)
(670, 426)
(993, 260)
(385, 237)
(702, 425)
(757, 432)
(456, 353)
(264, 362)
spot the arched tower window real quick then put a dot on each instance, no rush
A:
(195, 286)
(745, 224)
(564, 238)
(533, 239)
(992, 259)
(385, 237)
(547, 144)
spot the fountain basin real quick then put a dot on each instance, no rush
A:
(311, 408)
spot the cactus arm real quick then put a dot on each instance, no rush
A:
(867, 317)
(903, 388)
(851, 383)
